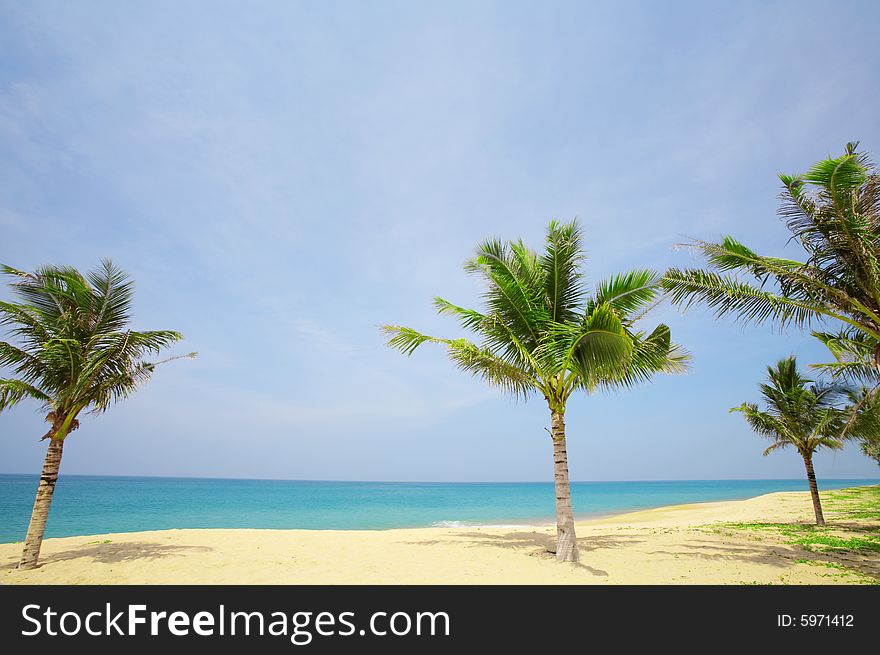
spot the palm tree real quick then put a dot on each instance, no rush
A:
(75, 353)
(833, 211)
(543, 333)
(803, 415)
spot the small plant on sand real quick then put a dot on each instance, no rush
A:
(862, 503)
(838, 543)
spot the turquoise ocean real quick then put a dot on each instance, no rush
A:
(85, 505)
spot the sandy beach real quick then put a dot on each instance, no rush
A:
(755, 541)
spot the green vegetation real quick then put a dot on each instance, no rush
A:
(848, 544)
(74, 352)
(830, 541)
(858, 503)
(543, 333)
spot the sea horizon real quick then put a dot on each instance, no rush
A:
(377, 481)
(102, 504)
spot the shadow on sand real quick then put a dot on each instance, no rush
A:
(114, 553)
(777, 553)
(540, 544)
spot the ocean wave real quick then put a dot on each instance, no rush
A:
(488, 526)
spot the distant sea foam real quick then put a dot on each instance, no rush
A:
(97, 505)
(466, 524)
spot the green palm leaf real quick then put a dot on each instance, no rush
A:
(560, 264)
(629, 292)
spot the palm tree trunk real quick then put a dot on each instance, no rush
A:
(814, 489)
(566, 539)
(34, 539)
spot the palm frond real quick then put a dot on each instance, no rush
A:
(470, 319)
(512, 295)
(727, 295)
(651, 354)
(113, 297)
(851, 372)
(469, 357)
(561, 269)
(861, 416)
(838, 175)
(854, 352)
(630, 292)
(595, 348)
(764, 423)
(407, 340)
(23, 363)
(14, 391)
(481, 363)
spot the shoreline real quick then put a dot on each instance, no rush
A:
(674, 544)
(451, 525)
(496, 513)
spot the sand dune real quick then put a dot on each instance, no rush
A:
(686, 544)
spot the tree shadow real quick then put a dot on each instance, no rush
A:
(125, 551)
(848, 526)
(845, 560)
(778, 554)
(764, 554)
(546, 542)
(538, 543)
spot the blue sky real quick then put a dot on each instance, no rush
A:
(280, 178)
